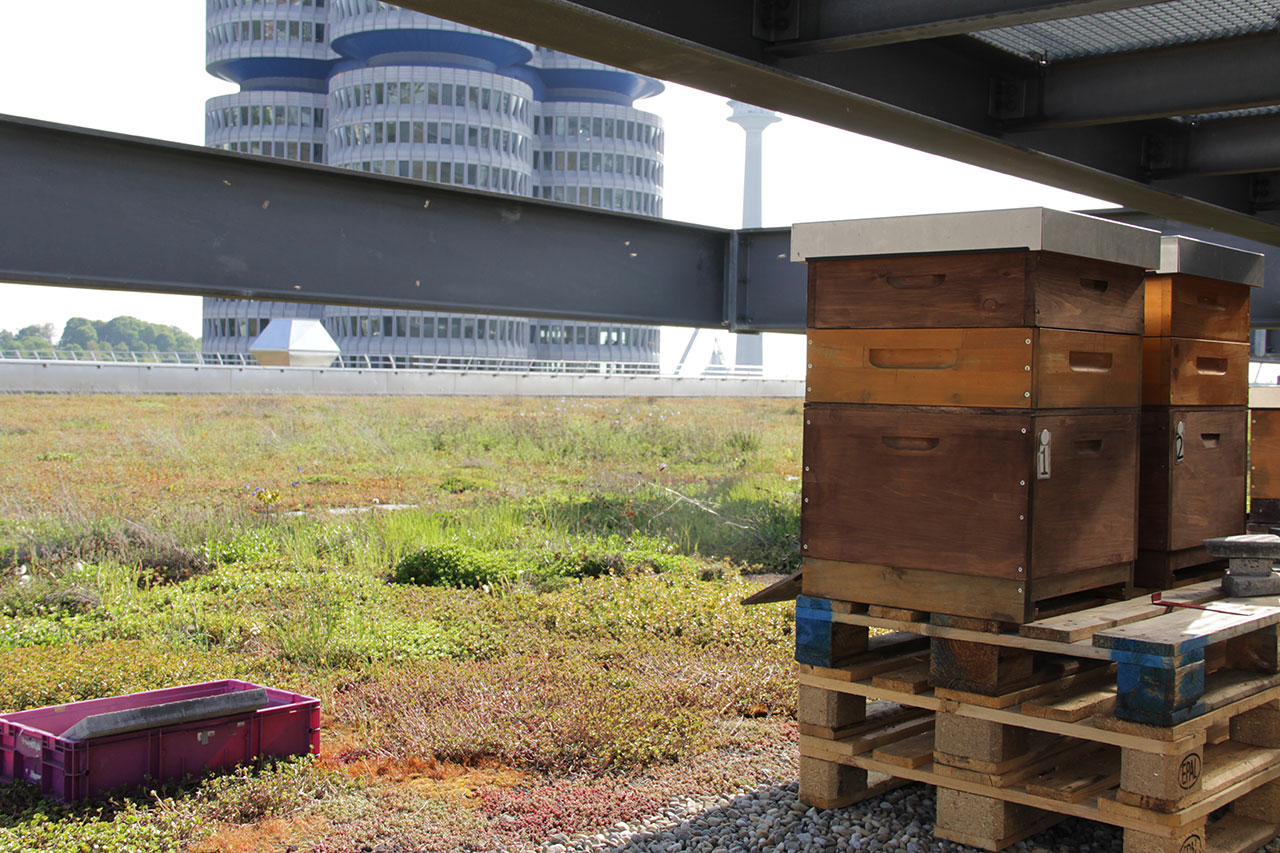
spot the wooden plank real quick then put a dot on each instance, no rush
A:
(784, 590)
(923, 589)
(915, 751)
(897, 614)
(1091, 676)
(882, 717)
(910, 679)
(1234, 833)
(1187, 630)
(883, 736)
(1099, 729)
(1077, 702)
(1188, 372)
(1081, 778)
(1083, 625)
(1044, 752)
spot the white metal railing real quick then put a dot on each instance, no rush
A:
(112, 357)
(430, 363)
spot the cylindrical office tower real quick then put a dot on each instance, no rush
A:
(425, 98)
(367, 85)
(593, 147)
(279, 55)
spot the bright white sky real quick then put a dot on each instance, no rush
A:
(138, 68)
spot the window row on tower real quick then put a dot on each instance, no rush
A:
(583, 335)
(609, 198)
(589, 128)
(279, 115)
(236, 4)
(307, 152)
(432, 133)
(360, 7)
(598, 162)
(421, 93)
(478, 175)
(273, 30)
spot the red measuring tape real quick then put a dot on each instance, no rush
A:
(1157, 600)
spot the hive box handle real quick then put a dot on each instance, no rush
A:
(1097, 285)
(1210, 439)
(916, 282)
(1211, 366)
(1089, 362)
(1211, 302)
(908, 443)
(917, 359)
(1088, 445)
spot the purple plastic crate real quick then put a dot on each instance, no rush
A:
(33, 749)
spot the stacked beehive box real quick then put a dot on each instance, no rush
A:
(971, 423)
(1195, 389)
(1264, 458)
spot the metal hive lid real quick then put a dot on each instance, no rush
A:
(1141, 28)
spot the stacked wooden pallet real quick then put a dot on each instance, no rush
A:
(1149, 717)
(1194, 416)
(972, 414)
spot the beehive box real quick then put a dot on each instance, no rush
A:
(1264, 455)
(1028, 267)
(1027, 505)
(1201, 291)
(997, 368)
(1193, 475)
(1196, 351)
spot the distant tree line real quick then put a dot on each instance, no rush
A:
(123, 334)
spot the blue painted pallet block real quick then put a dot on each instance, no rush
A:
(813, 631)
(822, 641)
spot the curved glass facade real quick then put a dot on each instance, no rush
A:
(366, 85)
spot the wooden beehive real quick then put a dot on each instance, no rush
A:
(1190, 372)
(1194, 455)
(1264, 455)
(1022, 499)
(972, 423)
(999, 368)
(1192, 475)
(1005, 288)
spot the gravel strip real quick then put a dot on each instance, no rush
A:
(772, 819)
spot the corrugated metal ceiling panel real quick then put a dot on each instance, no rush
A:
(1141, 28)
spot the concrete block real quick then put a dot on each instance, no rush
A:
(1243, 586)
(168, 714)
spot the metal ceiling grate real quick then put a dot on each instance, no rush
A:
(1141, 28)
(1255, 111)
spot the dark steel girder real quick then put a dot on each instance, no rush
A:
(1232, 146)
(91, 209)
(1230, 74)
(828, 26)
(933, 96)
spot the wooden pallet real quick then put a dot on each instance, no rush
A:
(1154, 658)
(1005, 773)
